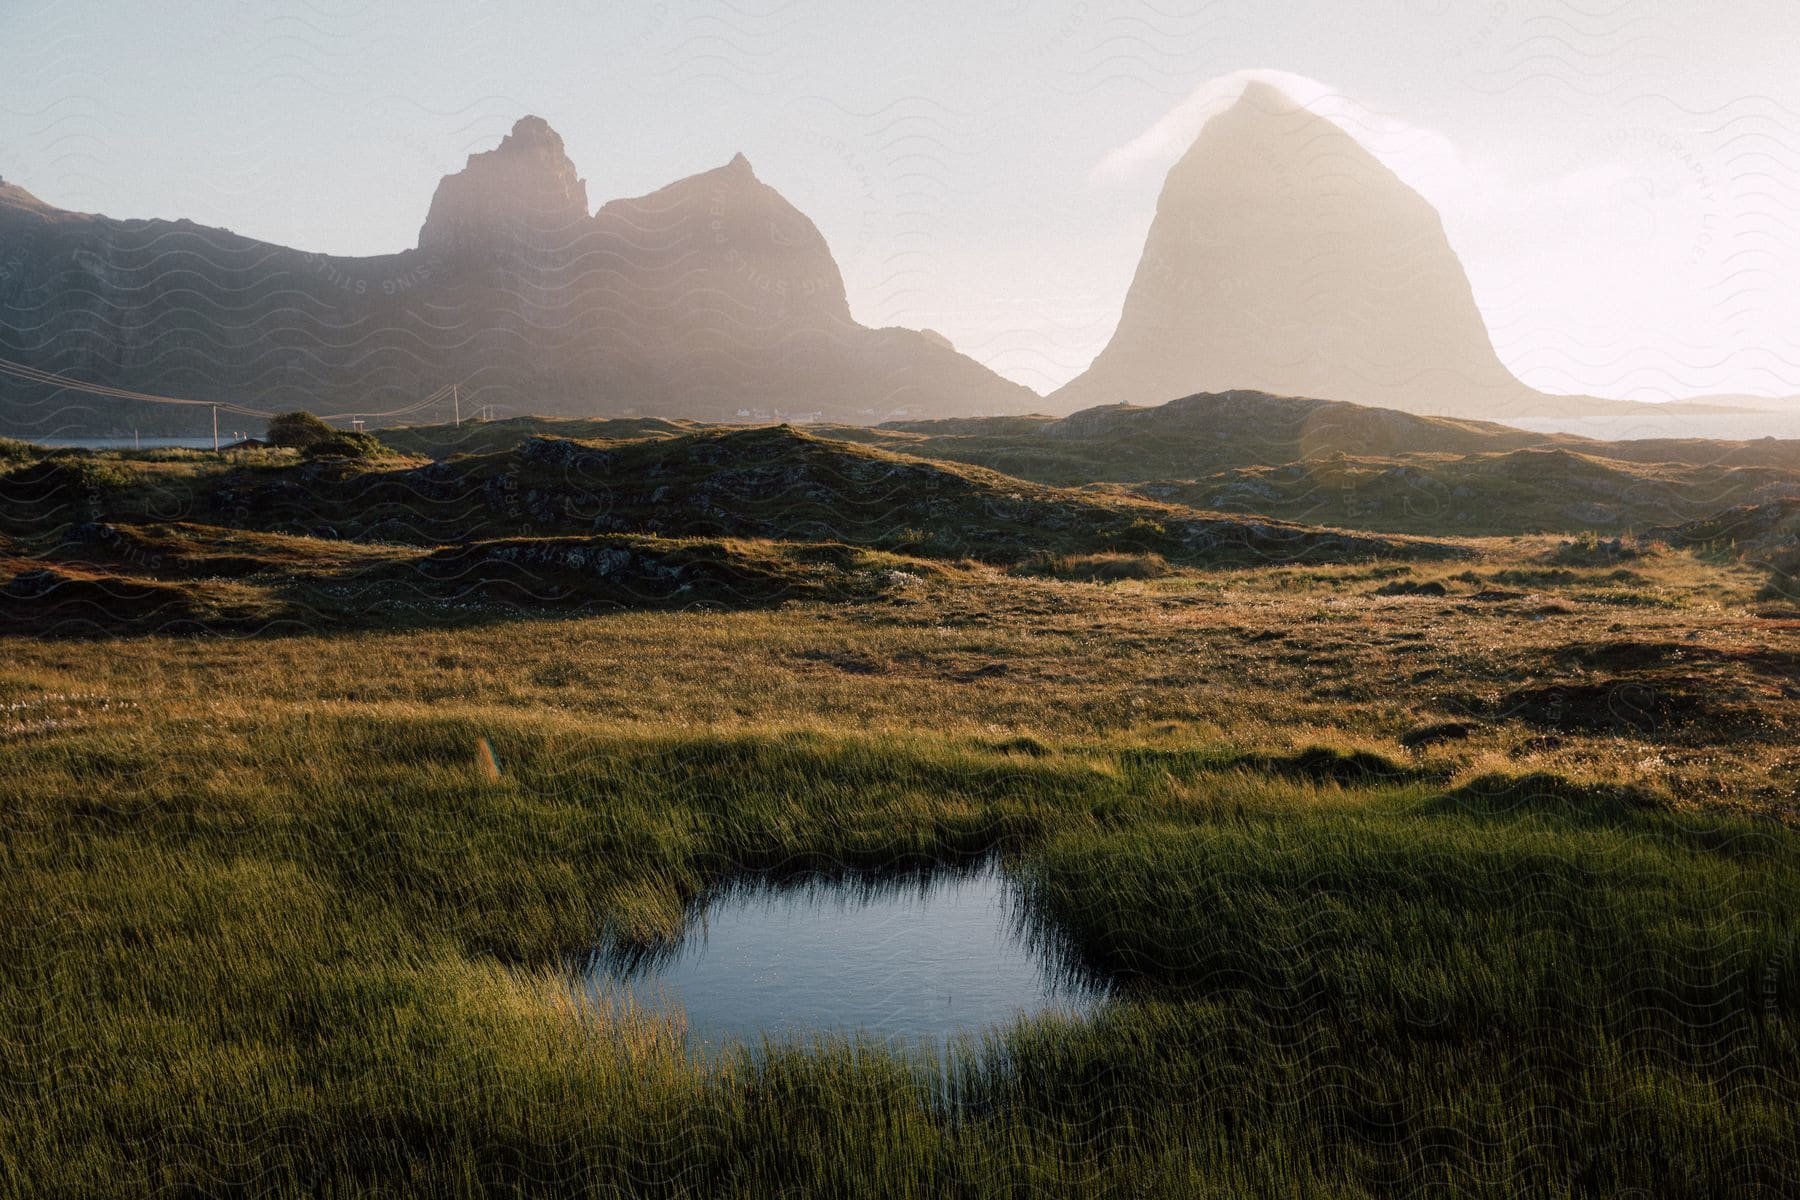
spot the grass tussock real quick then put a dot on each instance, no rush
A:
(1109, 567)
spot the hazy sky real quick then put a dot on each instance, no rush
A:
(1621, 177)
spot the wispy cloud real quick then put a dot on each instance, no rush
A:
(1427, 160)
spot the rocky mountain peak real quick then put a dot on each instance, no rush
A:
(524, 193)
(751, 242)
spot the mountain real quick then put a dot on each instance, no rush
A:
(1286, 258)
(710, 297)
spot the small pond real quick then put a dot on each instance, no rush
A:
(913, 960)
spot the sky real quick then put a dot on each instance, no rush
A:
(1620, 177)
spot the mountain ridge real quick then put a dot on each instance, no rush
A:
(715, 298)
(712, 295)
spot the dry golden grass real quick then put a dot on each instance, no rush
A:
(1273, 658)
(291, 913)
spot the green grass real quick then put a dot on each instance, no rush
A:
(269, 926)
(1097, 568)
(769, 484)
(319, 953)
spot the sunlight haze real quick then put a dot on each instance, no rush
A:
(1616, 185)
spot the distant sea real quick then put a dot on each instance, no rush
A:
(1744, 426)
(125, 443)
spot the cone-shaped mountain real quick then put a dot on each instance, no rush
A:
(1285, 257)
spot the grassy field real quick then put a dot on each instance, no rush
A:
(1468, 873)
(1313, 461)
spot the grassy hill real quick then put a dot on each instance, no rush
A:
(1767, 534)
(266, 539)
(174, 579)
(488, 437)
(1294, 459)
(164, 538)
(1521, 491)
(1223, 430)
(770, 482)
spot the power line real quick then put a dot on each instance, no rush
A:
(36, 375)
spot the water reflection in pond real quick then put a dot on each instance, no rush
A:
(910, 959)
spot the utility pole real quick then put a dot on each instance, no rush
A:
(215, 429)
(456, 399)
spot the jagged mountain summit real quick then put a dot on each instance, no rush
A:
(524, 192)
(1284, 257)
(709, 298)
